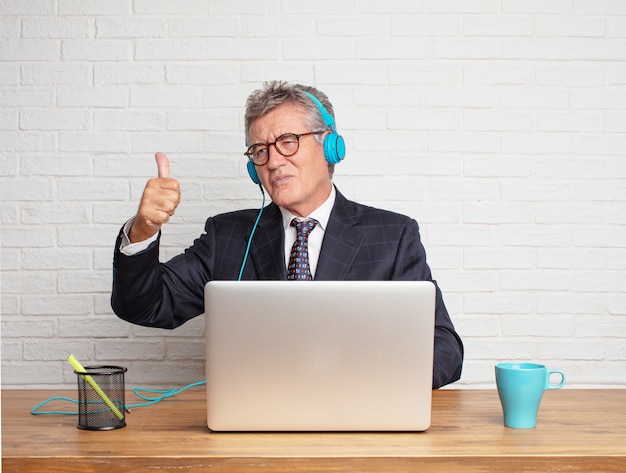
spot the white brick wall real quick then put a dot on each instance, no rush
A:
(499, 125)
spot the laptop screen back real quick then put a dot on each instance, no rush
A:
(319, 356)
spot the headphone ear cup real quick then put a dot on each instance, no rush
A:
(334, 148)
(252, 171)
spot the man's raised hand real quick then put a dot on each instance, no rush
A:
(158, 203)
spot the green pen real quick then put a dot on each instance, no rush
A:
(79, 369)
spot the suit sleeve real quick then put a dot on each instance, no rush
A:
(448, 347)
(164, 295)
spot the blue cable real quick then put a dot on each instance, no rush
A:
(163, 394)
(256, 223)
(35, 412)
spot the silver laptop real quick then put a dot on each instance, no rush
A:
(319, 356)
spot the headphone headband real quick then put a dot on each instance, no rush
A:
(327, 117)
(334, 146)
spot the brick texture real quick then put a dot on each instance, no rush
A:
(500, 125)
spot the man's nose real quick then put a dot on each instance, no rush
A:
(274, 157)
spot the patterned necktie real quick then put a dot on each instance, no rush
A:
(299, 268)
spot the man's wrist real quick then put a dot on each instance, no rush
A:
(129, 249)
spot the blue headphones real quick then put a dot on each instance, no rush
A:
(334, 145)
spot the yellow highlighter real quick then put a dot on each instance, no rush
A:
(79, 368)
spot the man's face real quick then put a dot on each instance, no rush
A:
(298, 183)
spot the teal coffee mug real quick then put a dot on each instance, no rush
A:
(520, 387)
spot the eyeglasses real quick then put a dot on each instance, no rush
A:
(286, 144)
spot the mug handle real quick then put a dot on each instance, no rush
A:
(559, 384)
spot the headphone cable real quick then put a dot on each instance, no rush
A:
(256, 223)
(162, 394)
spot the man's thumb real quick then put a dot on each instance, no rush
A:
(163, 164)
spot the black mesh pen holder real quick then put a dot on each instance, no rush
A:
(101, 403)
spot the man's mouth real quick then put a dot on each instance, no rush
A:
(277, 180)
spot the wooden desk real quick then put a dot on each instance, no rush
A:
(577, 430)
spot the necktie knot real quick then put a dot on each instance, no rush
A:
(303, 227)
(299, 267)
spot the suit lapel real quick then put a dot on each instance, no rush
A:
(267, 248)
(342, 241)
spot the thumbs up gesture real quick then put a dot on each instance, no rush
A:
(158, 203)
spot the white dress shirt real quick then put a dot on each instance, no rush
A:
(321, 214)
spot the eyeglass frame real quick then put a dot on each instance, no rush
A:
(250, 155)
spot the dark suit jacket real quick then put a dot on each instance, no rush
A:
(360, 243)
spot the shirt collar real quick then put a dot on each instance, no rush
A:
(321, 214)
